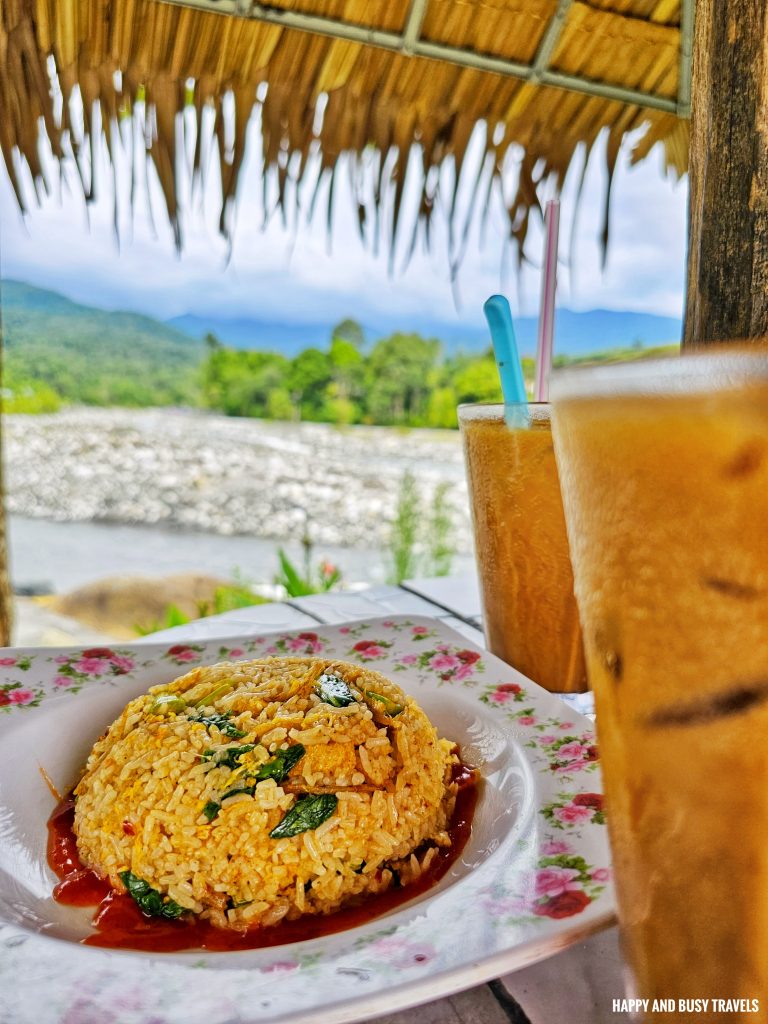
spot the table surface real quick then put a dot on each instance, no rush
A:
(577, 986)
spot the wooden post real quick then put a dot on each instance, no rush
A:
(6, 598)
(728, 207)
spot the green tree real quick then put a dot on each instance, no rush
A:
(350, 331)
(478, 381)
(441, 412)
(308, 377)
(347, 385)
(399, 373)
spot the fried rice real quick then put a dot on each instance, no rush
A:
(253, 792)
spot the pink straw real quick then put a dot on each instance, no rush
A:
(547, 311)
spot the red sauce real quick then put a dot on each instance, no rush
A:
(120, 924)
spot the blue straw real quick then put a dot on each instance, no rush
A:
(499, 317)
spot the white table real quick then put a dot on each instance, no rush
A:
(577, 986)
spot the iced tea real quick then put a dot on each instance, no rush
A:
(529, 610)
(664, 472)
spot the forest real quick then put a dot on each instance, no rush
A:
(58, 353)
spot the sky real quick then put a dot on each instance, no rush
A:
(273, 272)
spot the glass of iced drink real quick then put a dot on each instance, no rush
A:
(664, 473)
(529, 610)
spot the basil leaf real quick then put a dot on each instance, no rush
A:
(334, 691)
(239, 789)
(387, 706)
(211, 809)
(309, 812)
(221, 722)
(149, 901)
(280, 765)
(165, 702)
(229, 758)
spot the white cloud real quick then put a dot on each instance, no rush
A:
(276, 274)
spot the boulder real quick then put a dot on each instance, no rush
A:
(125, 606)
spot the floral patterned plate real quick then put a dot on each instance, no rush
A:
(533, 878)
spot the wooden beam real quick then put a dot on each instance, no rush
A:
(337, 28)
(549, 40)
(728, 206)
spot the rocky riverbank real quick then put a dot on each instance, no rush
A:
(195, 471)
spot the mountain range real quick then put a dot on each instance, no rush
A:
(576, 333)
(132, 342)
(92, 355)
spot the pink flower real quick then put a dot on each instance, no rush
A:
(296, 643)
(572, 750)
(418, 630)
(547, 739)
(409, 659)
(570, 766)
(21, 696)
(507, 905)
(553, 881)
(7, 661)
(187, 655)
(565, 725)
(463, 673)
(554, 847)
(236, 652)
(443, 662)
(62, 681)
(279, 966)
(61, 659)
(601, 875)
(500, 697)
(374, 651)
(122, 663)
(572, 814)
(92, 666)
(401, 953)
(345, 629)
(389, 944)
(388, 623)
(526, 720)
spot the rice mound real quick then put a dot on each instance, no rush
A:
(165, 767)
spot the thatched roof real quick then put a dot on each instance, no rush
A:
(120, 52)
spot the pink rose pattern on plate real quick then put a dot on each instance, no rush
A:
(562, 884)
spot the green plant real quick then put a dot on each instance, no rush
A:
(440, 542)
(173, 616)
(421, 542)
(405, 530)
(303, 582)
(228, 596)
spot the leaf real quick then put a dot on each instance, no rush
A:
(290, 578)
(248, 790)
(309, 812)
(389, 707)
(211, 809)
(149, 901)
(331, 689)
(228, 758)
(221, 722)
(281, 764)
